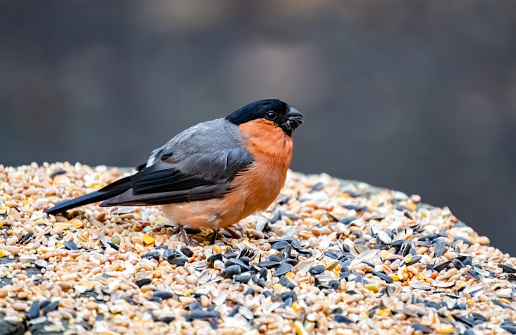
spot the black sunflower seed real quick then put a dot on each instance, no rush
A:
(405, 248)
(439, 249)
(287, 303)
(263, 273)
(234, 311)
(347, 220)
(245, 260)
(442, 266)
(295, 244)
(431, 304)
(187, 251)
(344, 272)
(469, 322)
(317, 270)
(44, 304)
(335, 254)
(195, 305)
(199, 314)
(276, 217)
(414, 260)
(277, 257)
(250, 291)
(26, 238)
(479, 317)
(284, 199)
(457, 264)
(246, 253)
(230, 255)
(151, 255)
(57, 173)
(269, 264)
(162, 295)
(71, 245)
(143, 282)
(421, 328)
(430, 237)
(230, 272)
(211, 260)
(383, 277)
(466, 260)
(284, 268)
(334, 284)
(372, 312)
(33, 312)
(509, 327)
(463, 239)
(167, 319)
(154, 317)
(243, 278)
(292, 261)
(286, 283)
(507, 268)
(342, 319)
(180, 261)
(280, 245)
(474, 274)
(238, 262)
(356, 208)
(318, 187)
(498, 303)
(288, 295)
(51, 307)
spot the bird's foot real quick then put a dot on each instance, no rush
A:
(188, 241)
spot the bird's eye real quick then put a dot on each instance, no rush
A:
(271, 115)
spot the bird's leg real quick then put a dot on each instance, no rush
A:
(214, 237)
(233, 233)
(187, 239)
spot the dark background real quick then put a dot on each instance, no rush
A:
(418, 96)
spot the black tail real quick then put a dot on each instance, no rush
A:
(113, 189)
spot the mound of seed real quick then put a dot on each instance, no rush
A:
(328, 257)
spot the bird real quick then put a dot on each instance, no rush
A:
(213, 174)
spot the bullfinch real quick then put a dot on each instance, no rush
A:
(213, 174)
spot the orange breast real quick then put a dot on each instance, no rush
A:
(253, 190)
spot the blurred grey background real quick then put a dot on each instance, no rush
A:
(418, 96)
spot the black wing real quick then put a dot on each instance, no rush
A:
(201, 176)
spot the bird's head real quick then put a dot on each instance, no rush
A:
(273, 110)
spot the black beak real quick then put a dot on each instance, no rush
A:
(293, 114)
(294, 120)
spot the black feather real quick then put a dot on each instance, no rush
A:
(111, 190)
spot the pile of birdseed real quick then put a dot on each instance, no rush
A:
(328, 257)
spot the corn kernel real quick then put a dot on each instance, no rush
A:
(445, 329)
(289, 275)
(383, 312)
(296, 307)
(372, 287)
(148, 239)
(217, 249)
